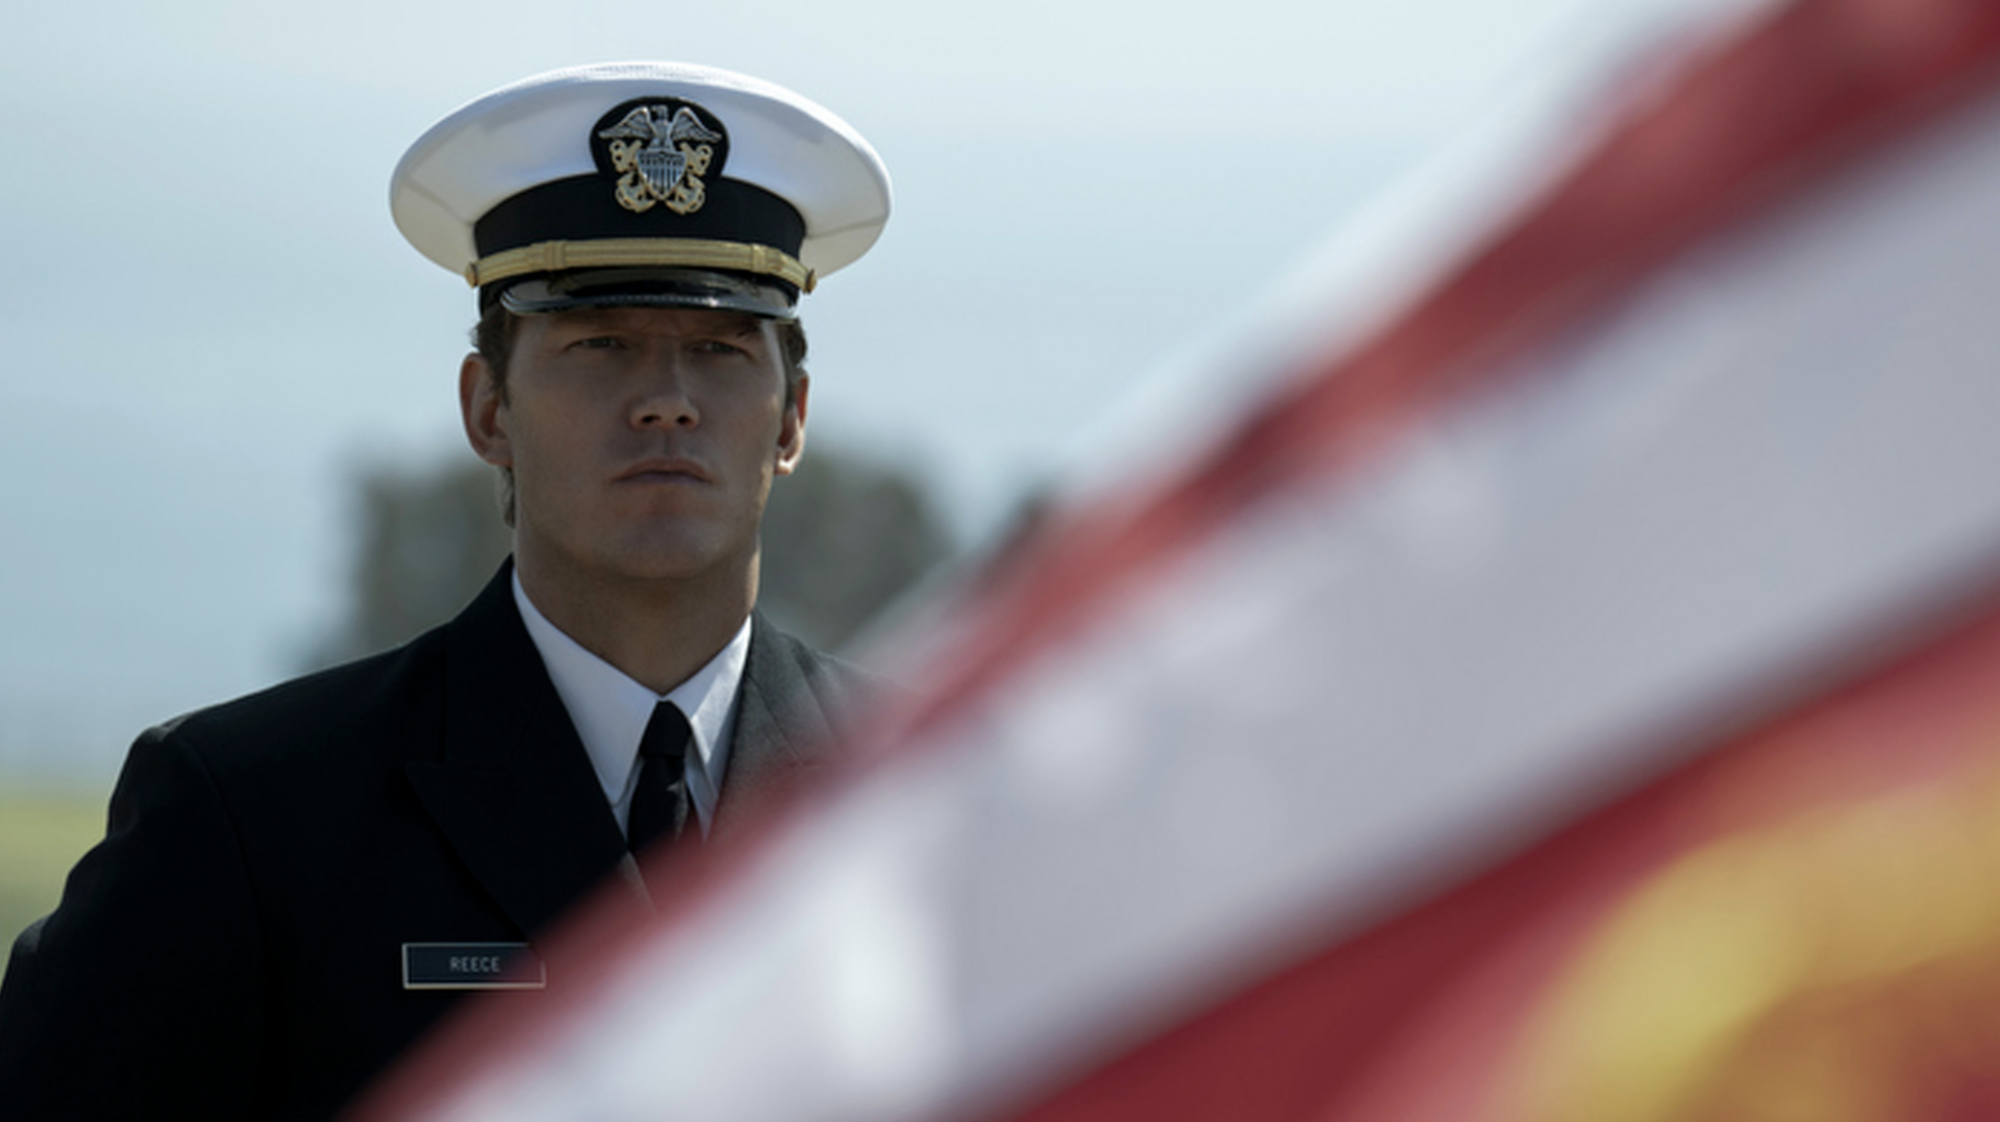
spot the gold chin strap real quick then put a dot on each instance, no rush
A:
(554, 257)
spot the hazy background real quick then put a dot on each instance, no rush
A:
(211, 335)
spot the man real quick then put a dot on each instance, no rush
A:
(295, 885)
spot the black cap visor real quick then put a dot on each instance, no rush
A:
(649, 287)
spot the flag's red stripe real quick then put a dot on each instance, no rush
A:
(1820, 84)
(1459, 973)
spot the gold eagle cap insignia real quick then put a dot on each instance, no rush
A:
(660, 155)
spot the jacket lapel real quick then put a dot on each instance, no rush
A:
(514, 792)
(782, 727)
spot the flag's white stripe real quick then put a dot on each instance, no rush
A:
(1771, 448)
(1391, 253)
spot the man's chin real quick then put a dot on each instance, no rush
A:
(676, 550)
(680, 558)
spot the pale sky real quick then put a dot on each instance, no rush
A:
(211, 322)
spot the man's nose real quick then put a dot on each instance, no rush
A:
(663, 399)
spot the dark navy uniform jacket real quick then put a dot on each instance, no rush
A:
(234, 948)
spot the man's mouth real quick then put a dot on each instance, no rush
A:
(665, 469)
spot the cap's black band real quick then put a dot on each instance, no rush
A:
(584, 208)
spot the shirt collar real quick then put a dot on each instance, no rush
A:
(610, 709)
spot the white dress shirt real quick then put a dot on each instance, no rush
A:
(610, 711)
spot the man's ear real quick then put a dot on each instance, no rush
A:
(484, 412)
(792, 431)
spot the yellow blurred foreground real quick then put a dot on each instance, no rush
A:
(42, 833)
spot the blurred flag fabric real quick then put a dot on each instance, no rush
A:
(1575, 696)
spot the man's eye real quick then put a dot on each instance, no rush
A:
(597, 343)
(717, 347)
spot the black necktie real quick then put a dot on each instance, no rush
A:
(660, 805)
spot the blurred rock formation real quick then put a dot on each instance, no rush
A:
(843, 537)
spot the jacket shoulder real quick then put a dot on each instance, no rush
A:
(822, 691)
(383, 699)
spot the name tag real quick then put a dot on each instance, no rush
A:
(472, 966)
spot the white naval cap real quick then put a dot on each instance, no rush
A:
(651, 183)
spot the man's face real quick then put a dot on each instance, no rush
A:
(642, 440)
